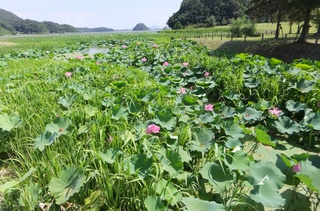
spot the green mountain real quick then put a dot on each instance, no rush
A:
(140, 27)
(12, 24)
(207, 12)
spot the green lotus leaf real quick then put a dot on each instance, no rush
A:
(8, 185)
(190, 100)
(294, 106)
(233, 130)
(206, 84)
(154, 203)
(237, 161)
(165, 119)
(59, 126)
(66, 101)
(110, 155)
(201, 205)
(309, 175)
(167, 191)
(90, 110)
(119, 84)
(268, 195)
(119, 112)
(172, 162)
(263, 137)
(252, 82)
(220, 178)
(70, 181)
(251, 114)
(227, 112)
(45, 139)
(285, 125)
(8, 122)
(142, 164)
(230, 95)
(262, 171)
(203, 140)
(304, 86)
(274, 61)
(134, 107)
(303, 66)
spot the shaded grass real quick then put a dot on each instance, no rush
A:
(286, 51)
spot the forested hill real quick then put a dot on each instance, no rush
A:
(12, 24)
(207, 12)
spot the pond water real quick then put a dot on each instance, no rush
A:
(87, 52)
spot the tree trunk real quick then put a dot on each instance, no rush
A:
(290, 29)
(278, 25)
(305, 27)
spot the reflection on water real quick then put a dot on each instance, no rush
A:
(86, 52)
(93, 51)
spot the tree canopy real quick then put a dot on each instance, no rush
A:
(199, 12)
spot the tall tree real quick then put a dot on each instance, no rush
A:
(306, 7)
(269, 9)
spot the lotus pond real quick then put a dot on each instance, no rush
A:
(150, 125)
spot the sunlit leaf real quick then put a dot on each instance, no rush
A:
(193, 204)
(263, 137)
(309, 175)
(110, 155)
(294, 106)
(13, 183)
(237, 161)
(8, 122)
(119, 112)
(168, 192)
(285, 125)
(267, 194)
(66, 101)
(154, 203)
(69, 183)
(220, 178)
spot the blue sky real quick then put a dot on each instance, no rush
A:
(116, 14)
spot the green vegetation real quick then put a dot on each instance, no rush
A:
(151, 123)
(202, 13)
(12, 24)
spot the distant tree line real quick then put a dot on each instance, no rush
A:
(208, 13)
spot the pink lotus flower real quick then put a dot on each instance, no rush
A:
(275, 111)
(155, 45)
(153, 129)
(206, 74)
(110, 138)
(185, 64)
(144, 59)
(296, 168)
(68, 74)
(208, 107)
(183, 90)
(318, 104)
(97, 63)
(124, 46)
(165, 64)
(80, 57)
(192, 88)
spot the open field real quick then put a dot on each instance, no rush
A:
(153, 122)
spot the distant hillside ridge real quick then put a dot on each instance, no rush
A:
(13, 24)
(97, 29)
